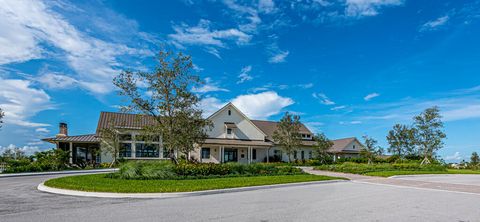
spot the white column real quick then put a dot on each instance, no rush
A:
(70, 160)
(268, 154)
(249, 154)
(134, 149)
(221, 154)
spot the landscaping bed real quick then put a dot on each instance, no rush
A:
(162, 176)
(398, 173)
(371, 169)
(103, 183)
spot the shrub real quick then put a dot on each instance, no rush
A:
(166, 170)
(360, 168)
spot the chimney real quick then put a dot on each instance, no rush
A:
(63, 130)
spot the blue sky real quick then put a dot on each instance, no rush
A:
(347, 67)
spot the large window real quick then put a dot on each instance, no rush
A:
(146, 150)
(205, 153)
(254, 154)
(125, 150)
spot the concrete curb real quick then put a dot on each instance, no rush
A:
(47, 189)
(57, 172)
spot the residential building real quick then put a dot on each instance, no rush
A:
(233, 138)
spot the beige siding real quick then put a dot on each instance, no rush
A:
(245, 129)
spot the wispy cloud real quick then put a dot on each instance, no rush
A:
(338, 108)
(245, 74)
(203, 35)
(370, 96)
(434, 24)
(360, 8)
(36, 29)
(209, 86)
(323, 98)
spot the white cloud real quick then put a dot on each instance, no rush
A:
(356, 122)
(455, 157)
(42, 130)
(210, 104)
(323, 99)
(435, 24)
(56, 81)
(370, 96)
(209, 86)
(28, 150)
(262, 105)
(20, 101)
(306, 86)
(279, 57)
(462, 112)
(266, 6)
(338, 108)
(245, 74)
(246, 16)
(204, 35)
(361, 8)
(314, 126)
(32, 29)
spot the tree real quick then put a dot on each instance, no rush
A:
(321, 147)
(474, 159)
(430, 133)
(371, 149)
(2, 114)
(402, 140)
(110, 143)
(14, 153)
(164, 95)
(287, 134)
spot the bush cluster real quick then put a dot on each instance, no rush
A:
(166, 170)
(361, 168)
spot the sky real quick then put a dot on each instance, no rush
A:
(347, 67)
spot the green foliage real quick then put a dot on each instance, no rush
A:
(171, 104)
(2, 114)
(321, 147)
(361, 168)
(287, 134)
(50, 160)
(371, 149)
(103, 183)
(475, 160)
(165, 170)
(402, 140)
(430, 132)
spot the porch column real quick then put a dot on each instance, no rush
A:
(268, 154)
(249, 153)
(70, 155)
(221, 154)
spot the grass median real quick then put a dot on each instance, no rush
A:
(399, 172)
(103, 183)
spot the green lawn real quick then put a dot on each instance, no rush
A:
(399, 172)
(101, 183)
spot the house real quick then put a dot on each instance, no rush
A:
(233, 138)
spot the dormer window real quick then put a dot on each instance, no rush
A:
(229, 131)
(306, 136)
(353, 146)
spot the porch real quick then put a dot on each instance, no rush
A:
(233, 150)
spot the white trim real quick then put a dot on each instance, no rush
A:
(230, 104)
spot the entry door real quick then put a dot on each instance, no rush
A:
(230, 155)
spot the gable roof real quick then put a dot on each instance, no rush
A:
(123, 120)
(340, 144)
(230, 104)
(270, 126)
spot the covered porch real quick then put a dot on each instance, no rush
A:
(233, 150)
(83, 150)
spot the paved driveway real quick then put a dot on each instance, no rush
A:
(461, 179)
(345, 201)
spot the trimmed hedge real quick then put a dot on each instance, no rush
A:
(146, 170)
(360, 168)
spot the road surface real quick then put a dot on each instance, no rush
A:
(344, 201)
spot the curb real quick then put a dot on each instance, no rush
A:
(57, 173)
(47, 189)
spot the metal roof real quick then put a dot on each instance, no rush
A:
(88, 138)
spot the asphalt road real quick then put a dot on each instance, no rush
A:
(344, 201)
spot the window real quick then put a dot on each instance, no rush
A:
(254, 154)
(125, 137)
(295, 154)
(303, 155)
(205, 153)
(229, 131)
(354, 146)
(125, 150)
(146, 150)
(310, 155)
(165, 153)
(229, 112)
